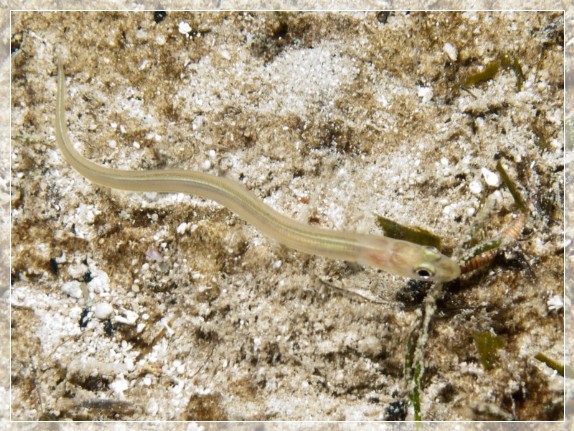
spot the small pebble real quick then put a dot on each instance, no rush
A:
(129, 317)
(103, 310)
(555, 303)
(450, 51)
(159, 16)
(491, 178)
(100, 281)
(475, 187)
(370, 346)
(72, 288)
(184, 28)
(129, 363)
(425, 93)
(119, 385)
(225, 54)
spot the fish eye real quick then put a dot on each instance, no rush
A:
(424, 273)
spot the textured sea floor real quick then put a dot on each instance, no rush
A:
(131, 306)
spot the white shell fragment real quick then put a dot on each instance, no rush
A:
(183, 27)
(119, 385)
(425, 93)
(128, 318)
(103, 310)
(555, 303)
(451, 51)
(491, 178)
(475, 187)
(72, 288)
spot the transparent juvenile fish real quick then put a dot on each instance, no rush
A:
(394, 256)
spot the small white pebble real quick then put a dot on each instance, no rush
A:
(153, 255)
(129, 363)
(181, 228)
(555, 303)
(197, 123)
(103, 310)
(425, 93)
(169, 331)
(100, 281)
(119, 385)
(183, 27)
(112, 144)
(206, 165)
(475, 187)
(449, 209)
(136, 144)
(277, 264)
(72, 288)
(77, 270)
(129, 317)
(491, 178)
(225, 54)
(370, 346)
(451, 51)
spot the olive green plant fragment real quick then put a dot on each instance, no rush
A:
(410, 356)
(487, 344)
(512, 188)
(539, 139)
(555, 365)
(417, 235)
(484, 248)
(511, 62)
(487, 73)
(413, 372)
(415, 394)
(491, 69)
